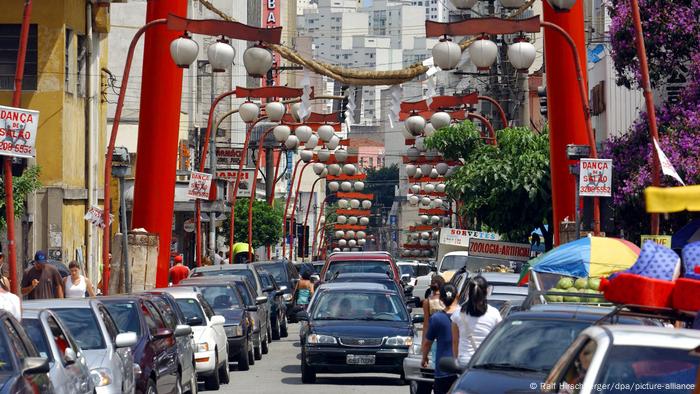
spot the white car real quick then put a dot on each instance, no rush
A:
(411, 270)
(211, 354)
(628, 358)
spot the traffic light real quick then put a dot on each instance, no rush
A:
(542, 94)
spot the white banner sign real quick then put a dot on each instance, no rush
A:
(457, 237)
(666, 166)
(244, 185)
(499, 250)
(200, 185)
(18, 128)
(595, 178)
(95, 216)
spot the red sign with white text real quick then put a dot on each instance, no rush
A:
(271, 18)
(499, 250)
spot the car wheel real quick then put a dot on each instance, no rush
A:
(417, 387)
(264, 347)
(308, 374)
(223, 373)
(243, 364)
(151, 387)
(276, 330)
(283, 329)
(268, 335)
(251, 358)
(212, 381)
(257, 352)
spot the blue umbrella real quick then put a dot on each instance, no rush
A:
(687, 234)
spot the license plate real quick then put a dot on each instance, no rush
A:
(360, 359)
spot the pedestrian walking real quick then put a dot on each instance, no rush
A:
(303, 290)
(76, 284)
(440, 331)
(8, 300)
(473, 323)
(179, 271)
(41, 280)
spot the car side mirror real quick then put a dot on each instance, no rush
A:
(218, 320)
(449, 365)
(279, 293)
(194, 321)
(405, 278)
(302, 316)
(126, 339)
(268, 289)
(163, 333)
(182, 330)
(251, 308)
(283, 288)
(260, 300)
(69, 356)
(35, 365)
(417, 319)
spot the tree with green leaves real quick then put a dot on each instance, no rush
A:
(22, 186)
(267, 222)
(505, 188)
(381, 182)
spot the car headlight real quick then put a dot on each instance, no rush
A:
(399, 341)
(415, 349)
(101, 377)
(202, 347)
(316, 339)
(287, 297)
(234, 330)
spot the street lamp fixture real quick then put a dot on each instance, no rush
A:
(306, 155)
(312, 142)
(333, 143)
(281, 133)
(483, 53)
(341, 155)
(334, 169)
(415, 124)
(439, 120)
(249, 111)
(446, 53)
(562, 5)
(333, 186)
(521, 54)
(323, 155)
(358, 186)
(184, 50)
(326, 132)
(220, 55)
(257, 61)
(275, 111)
(463, 4)
(292, 142)
(349, 169)
(318, 168)
(512, 3)
(303, 132)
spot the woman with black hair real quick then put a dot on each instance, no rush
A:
(474, 322)
(439, 329)
(304, 290)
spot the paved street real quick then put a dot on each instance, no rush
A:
(278, 372)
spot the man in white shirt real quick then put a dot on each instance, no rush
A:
(10, 302)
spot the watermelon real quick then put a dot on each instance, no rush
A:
(555, 298)
(565, 283)
(594, 283)
(581, 283)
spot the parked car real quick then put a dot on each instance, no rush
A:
(354, 327)
(522, 350)
(278, 308)
(211, 355)
(69, 371)
(629, 358)
(360, 262)
(173, 319)
(108, 352)
(22, 369)
(155, 352)
(251, 302)
(410, 270)
(286, 274)
(227, 301)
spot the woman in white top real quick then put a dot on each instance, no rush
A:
(9, 301)
(76, 285)
(474, 322)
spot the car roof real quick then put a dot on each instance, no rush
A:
(457, 253)
(221, 267)
(360, 255)
(563, 311)
(179, 291)
(665, 337)
(508, 277)
(367, 286)
(199, 280)
(362, 275)
(60, 303)
(123, 297)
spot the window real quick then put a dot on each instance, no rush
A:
(68, 63)
(167, 312)
(9, 44)
(16, 340)
(61, 339)
(153, 319)
(81, 322)
(82, 66)
(109, 323)
(125, 315)
(205, 305)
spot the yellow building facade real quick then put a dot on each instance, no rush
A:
(65, 81)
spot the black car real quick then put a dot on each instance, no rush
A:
(21, 368)
(382, 279)
(523, 348)
(278, 309)
(155, 352)
(354, 327)
(286, 274)
(258, 333)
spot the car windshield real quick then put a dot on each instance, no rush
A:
(358, 305)
(452, 263)
(82, 323)
(125, 315)
(408, 269)
(191, 309)
(666, 370)
(278, 272)
(358, 266)
(221, 298)
(36, 333)
(243, 290)
(248, 274)
(6, 366)
(532, 344)
(265, 280)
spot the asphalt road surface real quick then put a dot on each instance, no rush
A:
(279, 372)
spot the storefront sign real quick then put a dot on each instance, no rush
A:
(595, 179)
(18, 128)
(457, 237)
(499, 250)
(200, 185)
(664, 240)
(244, 185)
(228, 157)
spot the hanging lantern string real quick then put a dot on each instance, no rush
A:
(353, 76)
